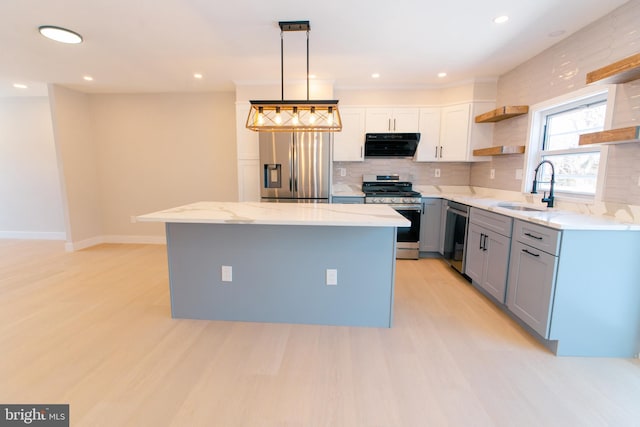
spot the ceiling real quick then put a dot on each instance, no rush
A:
(158, 45)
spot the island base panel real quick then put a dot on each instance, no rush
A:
(279, 273)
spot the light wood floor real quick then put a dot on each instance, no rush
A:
(93, 329)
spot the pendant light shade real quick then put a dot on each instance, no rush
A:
(287, 116)
(294, 115)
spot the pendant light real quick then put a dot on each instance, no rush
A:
(294, 115)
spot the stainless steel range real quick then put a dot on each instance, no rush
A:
(396, 191)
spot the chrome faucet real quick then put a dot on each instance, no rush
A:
(534, 189)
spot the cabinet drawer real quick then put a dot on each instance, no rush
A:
(537, 236)
(492, 221)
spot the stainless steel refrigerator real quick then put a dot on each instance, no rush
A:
(295, 167)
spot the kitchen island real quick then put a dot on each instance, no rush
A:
(282, 262)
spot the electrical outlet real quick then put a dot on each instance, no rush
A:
(492, 174)
(437, 173)
(227, 273)
(343, 171)
(519, 174)
(332, 276)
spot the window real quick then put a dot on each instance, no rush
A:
(556, 129)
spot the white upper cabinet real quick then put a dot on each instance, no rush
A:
(429, 135)
(454, 136)
(458, 135)
(381, 120)
(447, 134)
(348, 145)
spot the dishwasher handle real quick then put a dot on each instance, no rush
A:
(457, 212)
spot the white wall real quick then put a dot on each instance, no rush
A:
(157, 151)
(30, 196)
(78, 166)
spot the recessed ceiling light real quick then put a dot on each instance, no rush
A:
(501, 19)
(197, 76)
(375, 76)
(59, 34)
(88, 78)
(443, 74)
(20, 86)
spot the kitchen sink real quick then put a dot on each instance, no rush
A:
(519, 207)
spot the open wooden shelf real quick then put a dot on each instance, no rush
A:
(500, 150)
(502, 113)
(623, 71)
(612, 136)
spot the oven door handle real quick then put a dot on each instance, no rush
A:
(407, 207)
(457, 212)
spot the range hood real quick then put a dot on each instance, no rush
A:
(391, 145)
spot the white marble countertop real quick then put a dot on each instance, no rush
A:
(317, 214)
(558, 218)
(566, 217)
(347, 190)
(549, 217)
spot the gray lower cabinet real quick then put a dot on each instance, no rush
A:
(488, 247)
(347, 199)
(578, 290)
(532, 274)
(430, 225)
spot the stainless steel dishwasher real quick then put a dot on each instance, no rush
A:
(455, 238)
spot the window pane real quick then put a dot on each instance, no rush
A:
(564, 129)
(575, 173)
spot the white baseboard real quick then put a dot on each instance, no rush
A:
(83, 244)
(33, 235)
(144, 240)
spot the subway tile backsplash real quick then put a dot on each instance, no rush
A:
(419, 173)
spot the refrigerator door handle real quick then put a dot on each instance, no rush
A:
(293, 165)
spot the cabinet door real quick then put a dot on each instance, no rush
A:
(405, 120)
(378, 120)
(454, 133)
(496, 265)
(381, 120)
(348, 145)
(430, 225)
(475, 260)
(530, 286)
(429, 135)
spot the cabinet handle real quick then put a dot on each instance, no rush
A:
(394, 124)
(435, 155)
(361, 153)
(481, 237)
(530, 253)
(484, 243)
(441, 151)
(389, 124)
(532, 236)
